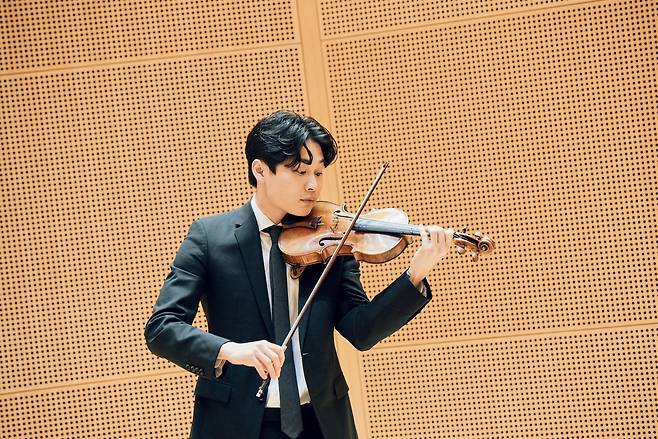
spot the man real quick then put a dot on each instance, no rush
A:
(230, 263)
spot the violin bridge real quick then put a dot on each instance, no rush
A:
(335, 221)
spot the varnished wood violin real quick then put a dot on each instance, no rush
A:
(378, 236)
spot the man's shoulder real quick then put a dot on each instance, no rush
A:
(224, 219)
(217, 217)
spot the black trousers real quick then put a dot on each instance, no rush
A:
(271, 427)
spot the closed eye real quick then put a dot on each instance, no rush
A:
(303, 172)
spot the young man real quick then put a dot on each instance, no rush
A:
(230, 263)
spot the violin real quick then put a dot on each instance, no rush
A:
(378, 236)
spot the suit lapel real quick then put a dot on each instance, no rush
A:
(248, 237)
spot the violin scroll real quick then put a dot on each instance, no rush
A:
(477, 243)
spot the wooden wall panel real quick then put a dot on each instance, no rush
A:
(537, 127)
(546, 142)
(158, 406)
(581, 384)
(120, 125)
(531, 120)
(103, 170)
(341, 18)
(49, 33)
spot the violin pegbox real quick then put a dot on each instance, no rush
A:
(476, 243)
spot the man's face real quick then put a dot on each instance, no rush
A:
(292, 190)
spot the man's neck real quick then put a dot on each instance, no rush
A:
(273, 213)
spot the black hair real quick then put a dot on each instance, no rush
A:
(280, 136)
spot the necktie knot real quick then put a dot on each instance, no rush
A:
(274, 232)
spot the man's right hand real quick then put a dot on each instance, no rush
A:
(267, 358)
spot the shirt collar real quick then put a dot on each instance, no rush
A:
(263, 221)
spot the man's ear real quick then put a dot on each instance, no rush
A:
(258, 169)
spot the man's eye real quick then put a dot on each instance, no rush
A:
(300, 172)
(318, 174)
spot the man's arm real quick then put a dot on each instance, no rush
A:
(169, 332)
(365, 323)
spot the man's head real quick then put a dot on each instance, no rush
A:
(286, 154)
(279, 138)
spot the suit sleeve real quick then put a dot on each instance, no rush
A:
(364, 323)
(169, 332)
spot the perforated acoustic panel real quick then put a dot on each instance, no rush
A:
(533, 120)
(137, 407)
(44, 33)
(341, 17)
(538, 128)
(103, 170)
(588, 385)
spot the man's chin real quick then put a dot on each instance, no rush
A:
(302, 210)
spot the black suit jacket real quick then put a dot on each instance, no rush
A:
(219, 264)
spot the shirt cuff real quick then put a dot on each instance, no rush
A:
(219, 367)
(219, 363)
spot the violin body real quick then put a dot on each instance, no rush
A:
(312, 239)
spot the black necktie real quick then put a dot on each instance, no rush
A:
(291, 413)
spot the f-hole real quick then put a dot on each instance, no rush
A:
(333, 240)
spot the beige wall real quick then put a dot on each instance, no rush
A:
(531, 120)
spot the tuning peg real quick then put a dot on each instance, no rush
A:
(461, 250)
(464, 229)
(478, 234)
(474, 256)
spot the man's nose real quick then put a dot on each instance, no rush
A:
(312, 183)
